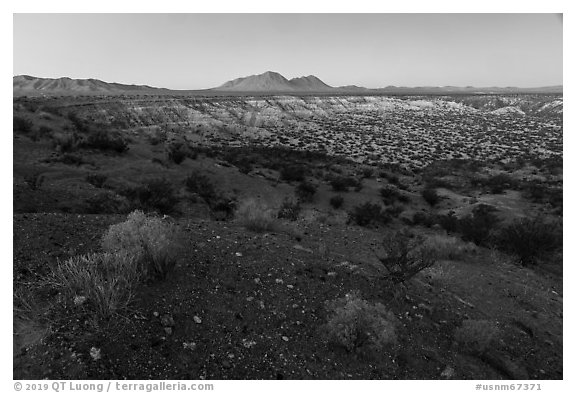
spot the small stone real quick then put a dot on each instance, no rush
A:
(448, 373)
(279, 281)
(95, 353)
(167, 321)
(238, 254)
(257, 280)
(168, 331)
(290, 286)
(79, 300)
(331, 274)
(156, 314)
(191, 345)
(197, 319)
(285, 338)
(226, 364)
(250, 298)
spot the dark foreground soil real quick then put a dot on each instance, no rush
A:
(252, 306)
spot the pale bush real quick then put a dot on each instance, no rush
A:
(449, 248)
(105, 280)
(356, 324)
(255, 216)
(151, 240)
(475, 336)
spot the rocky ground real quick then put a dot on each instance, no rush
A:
(242, 305)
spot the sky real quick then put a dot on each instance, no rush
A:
(197, 51)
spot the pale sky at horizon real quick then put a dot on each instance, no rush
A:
(197, 51)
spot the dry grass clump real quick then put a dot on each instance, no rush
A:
(102, 282)
(450, 248)
(151, 240)
(256, 216)
(357, 324)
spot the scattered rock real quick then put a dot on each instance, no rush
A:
(167, 321)
(197, 319)
(285, 338)
(448, 373)
(191, 345)
(95, 353)
(238, 254)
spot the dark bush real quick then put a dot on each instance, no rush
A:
(153, 195)
(342, 183)
(449, 222)
(479, 226)
(430, 196)
(305, 192)
(21, 125)
(421, 218)
(66, 143)
(105, 140)
(367, 173)
(293, 173)
(289, 210)
(403, 258)
(389, 194)
(176, 152)
(369, 213)
(530, 239)
(96, 179)
(79, 124)
(336, 201)
(200, 184)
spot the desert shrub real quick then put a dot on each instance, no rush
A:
(65, 143)
(530, 239)
(421, 218)
(389, 194)
(45, 132)
(498, 183)
(356, 324)
(200, 184)
(21, 125)
(405, 256)
(289, 210)
(336, 201)
(156, 137)
(430, 196)
(476, 336)
(151, 240)
(342, 183)
(96, 179)
(222, 207)
(449, 248)
(103, 283)
(34, 180)
(153, 195)
(305, 191)
(79, 124)
(255, 216)
(449, 222)
(293, 173)
(394, 210)
(105, 140)
(70, 159)
(176, 152)
(367, 173)
(369, 213)
(106, 202)
(479, 226)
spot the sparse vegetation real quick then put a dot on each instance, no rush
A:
(289, 210)
(151, 240)
(369, 213)
(103, 283)
(305, 192)
(356, 324)
(404, 257)
(255, 216)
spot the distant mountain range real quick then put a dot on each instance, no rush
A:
(266, 83)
